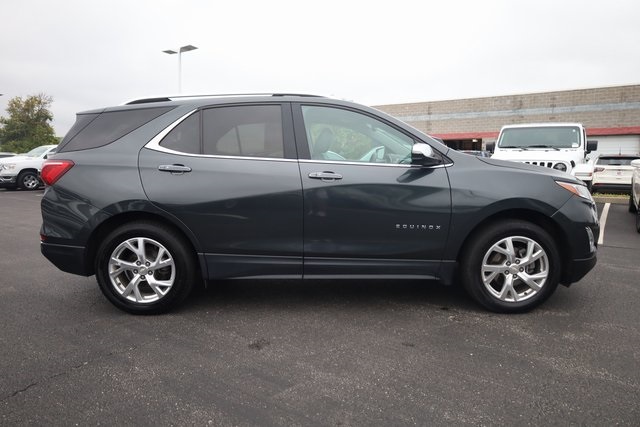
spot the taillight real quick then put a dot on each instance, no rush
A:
(52, 170)
(598, 170)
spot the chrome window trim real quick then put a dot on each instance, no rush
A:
(154, 144)
(393, 165)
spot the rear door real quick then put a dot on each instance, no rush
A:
(229, 174)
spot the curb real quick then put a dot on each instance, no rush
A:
(612, 200)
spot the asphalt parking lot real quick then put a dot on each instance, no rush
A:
(315, 353)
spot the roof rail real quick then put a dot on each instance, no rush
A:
(219, 95)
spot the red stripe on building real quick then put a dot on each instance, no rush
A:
(632, 130)
(467, 135)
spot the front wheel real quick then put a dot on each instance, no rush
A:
(632, 206)
(511, 266)
(28, 181)
(145, 268)
(638, 220)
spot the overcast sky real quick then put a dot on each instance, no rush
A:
(89, 54)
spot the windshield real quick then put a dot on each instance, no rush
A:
(540, 137)
(38, 151)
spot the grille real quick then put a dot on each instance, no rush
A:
(544, 164)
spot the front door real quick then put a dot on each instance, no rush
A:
(367, 210)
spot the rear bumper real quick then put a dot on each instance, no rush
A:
(70, 259)
(611, 186)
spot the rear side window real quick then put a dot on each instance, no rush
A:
(97, 130)
(185, 137)
(251, 131)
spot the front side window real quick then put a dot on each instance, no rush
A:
(248, 131)
(343, 135)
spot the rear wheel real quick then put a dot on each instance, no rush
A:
(632, 206)
(511, 266)
(28, 181)
(145, 268)
(638, 220)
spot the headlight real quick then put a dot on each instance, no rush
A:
(560, 167)
(8, 167)
(577, 189)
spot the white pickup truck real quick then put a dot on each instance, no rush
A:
(561, 146)
(22, 171)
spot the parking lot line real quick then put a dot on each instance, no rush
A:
(603, 222)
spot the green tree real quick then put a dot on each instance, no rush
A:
(28, 124)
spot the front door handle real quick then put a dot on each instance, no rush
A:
(325, 176)
(174, 169)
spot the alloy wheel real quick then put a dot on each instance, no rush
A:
(515, 269)
(141, 270)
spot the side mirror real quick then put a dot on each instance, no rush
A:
(490, 146)
(422, 154)
(592, 146)
(635, 163)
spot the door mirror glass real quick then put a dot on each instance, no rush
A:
(592, 146)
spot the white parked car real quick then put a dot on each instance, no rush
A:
(22, 171)
(613, 172)
(634, 199)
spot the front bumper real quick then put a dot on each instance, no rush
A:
(578, 234)
(7, 181)
(577, 269)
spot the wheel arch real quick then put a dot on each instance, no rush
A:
(557, 234)
(34, 170)
(114, 221)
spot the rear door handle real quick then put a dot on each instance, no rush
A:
(174, 169)
(325, 176)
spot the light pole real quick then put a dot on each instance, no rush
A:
(186, 48)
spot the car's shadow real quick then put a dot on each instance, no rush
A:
(283, 294)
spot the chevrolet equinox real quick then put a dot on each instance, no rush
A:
(161, 194)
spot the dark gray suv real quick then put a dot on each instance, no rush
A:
(161, 194)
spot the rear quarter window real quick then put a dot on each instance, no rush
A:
(98, 130)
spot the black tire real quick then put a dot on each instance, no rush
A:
(28, 181)
(155, 238)
(520, 296)
(632, 206)
(638, 220)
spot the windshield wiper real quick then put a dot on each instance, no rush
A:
(544, 146)
(512, 146)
